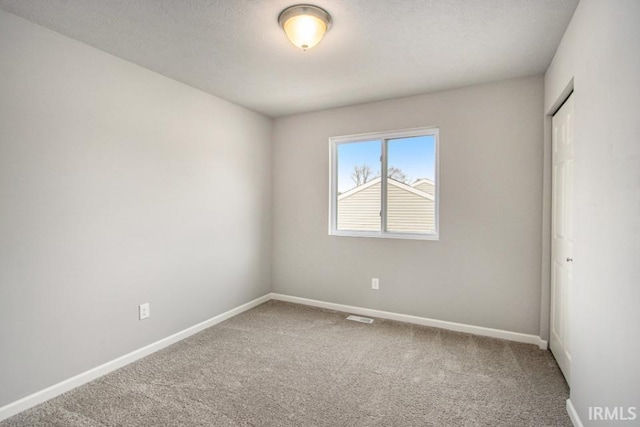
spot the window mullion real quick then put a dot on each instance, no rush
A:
(383, 187)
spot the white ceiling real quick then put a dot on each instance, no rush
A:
(376, 49)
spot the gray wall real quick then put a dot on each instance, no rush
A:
(117, 186)
(600, 52)
(485, 270)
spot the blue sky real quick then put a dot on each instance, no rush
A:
(414, 156)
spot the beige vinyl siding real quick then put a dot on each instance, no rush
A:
(408, 212)
(361, 210)
(426, 186)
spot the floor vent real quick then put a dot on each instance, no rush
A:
(360, 319)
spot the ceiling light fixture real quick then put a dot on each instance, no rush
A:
(304, 24)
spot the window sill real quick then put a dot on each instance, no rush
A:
(388, 235)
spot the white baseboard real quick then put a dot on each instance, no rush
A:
(424, 321)
(573, 414)
(90, 375)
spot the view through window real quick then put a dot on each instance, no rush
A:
(403, 205)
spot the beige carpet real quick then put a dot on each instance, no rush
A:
(282, 364)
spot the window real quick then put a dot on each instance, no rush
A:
(405, 204)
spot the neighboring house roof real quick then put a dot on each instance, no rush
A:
(425, 184)
(390, 181)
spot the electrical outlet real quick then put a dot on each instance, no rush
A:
(375, 283)
(145, 310)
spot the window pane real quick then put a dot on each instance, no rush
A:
(359, 186)
(411, 184)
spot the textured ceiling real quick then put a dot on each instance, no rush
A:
(376, 49)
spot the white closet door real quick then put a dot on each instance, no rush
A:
(562, 235)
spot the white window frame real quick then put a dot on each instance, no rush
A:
(383, 137)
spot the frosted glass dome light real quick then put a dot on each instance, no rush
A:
(304, 24)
